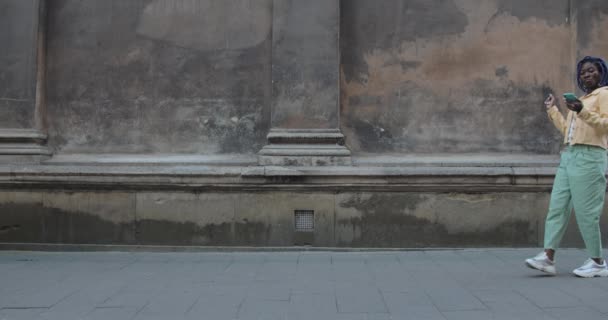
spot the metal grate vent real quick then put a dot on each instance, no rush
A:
(304, 220)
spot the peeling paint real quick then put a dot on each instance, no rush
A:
(496, 69)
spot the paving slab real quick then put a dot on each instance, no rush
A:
(433, 284)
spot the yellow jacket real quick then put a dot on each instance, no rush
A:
(591, 123)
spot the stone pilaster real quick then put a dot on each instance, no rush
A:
(22, 137)
(305, 83)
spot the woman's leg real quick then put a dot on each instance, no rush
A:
(588, 187)
(560, 208)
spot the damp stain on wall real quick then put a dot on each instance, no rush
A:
(416, 220)
(36, 223)
(475, 86)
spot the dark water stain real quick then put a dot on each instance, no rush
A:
(372, 137)
(252, 233)
(35, 223)
(381, 202)
(555, 12)
(502, 72)
(9, 228)
(364, 100)
(395, 230)
(385, 224)
(406, 65)
(367, 25)
(165, 232)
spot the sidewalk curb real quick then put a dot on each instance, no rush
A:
(52, 247)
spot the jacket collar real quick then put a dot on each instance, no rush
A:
(596, 91)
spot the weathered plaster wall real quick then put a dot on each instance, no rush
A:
(453, 76)
(305, 64)
(186, 76)
(195, 76)
(362, 219)
(159, 76)
(591, 18)
(18, 30)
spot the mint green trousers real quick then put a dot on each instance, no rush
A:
(580, 184)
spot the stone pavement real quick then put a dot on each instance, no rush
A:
(432, 284)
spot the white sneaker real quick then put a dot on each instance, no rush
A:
(542, 262)
(591, 269)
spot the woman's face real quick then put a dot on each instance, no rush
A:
(590, 76)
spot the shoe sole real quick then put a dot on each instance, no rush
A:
(597, 275)
(531, 266)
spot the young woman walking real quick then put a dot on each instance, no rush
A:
(580, 182)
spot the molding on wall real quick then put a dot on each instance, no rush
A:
(457, 174)
(23, 145)
(305, 147)
(305, 136)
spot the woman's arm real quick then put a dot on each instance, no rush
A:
(557, 118)
(597, 118)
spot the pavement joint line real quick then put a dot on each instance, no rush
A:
(51, 247)
(82, 248)
(140, 309)
(240, 306)
(383, 300)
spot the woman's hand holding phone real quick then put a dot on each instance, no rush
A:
(572, 102)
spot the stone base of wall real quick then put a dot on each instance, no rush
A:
(415, 202)
(23, 146)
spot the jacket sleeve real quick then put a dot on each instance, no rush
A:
(557, 118)
(597, 118)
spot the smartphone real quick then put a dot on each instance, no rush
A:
(570, 97)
